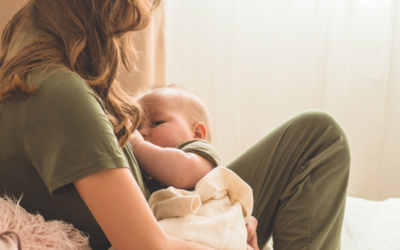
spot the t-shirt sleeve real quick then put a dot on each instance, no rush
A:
(202, 148)
(67, 135)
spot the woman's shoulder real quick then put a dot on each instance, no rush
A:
(55, 76)
(59, 84)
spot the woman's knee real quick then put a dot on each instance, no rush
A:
(316, 117)
(321, 124)
(318, 120)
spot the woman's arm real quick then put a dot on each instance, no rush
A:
(118, 205)
(170, 166)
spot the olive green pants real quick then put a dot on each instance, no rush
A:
(299, 174)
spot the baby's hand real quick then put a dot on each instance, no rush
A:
(135, 139)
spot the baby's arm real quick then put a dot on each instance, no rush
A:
(171, 166)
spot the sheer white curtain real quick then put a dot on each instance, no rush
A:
(256, 63)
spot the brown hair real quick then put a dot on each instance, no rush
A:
(88, 37)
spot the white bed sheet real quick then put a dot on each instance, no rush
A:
(370, 225)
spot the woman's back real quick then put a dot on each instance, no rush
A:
(63, 117)
(54, 137)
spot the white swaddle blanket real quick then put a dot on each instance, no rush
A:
(214, 214)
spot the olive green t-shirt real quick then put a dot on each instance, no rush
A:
(202, 148)
(56, 136)
(199, 147)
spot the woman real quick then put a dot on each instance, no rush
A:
(65, 125)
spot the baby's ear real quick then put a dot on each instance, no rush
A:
(199, 131)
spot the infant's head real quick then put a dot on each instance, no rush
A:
(174, 116)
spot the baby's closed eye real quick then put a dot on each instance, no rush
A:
(155, 124)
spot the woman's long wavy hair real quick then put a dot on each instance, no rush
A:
(88, 37)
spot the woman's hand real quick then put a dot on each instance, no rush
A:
(251, 234)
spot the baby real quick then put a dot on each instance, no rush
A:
(172, 146)
(176, 132)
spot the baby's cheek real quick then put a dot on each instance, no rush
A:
(160, 137)
(168, 138)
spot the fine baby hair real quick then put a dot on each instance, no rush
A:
(194, 107)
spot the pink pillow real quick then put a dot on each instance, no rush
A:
(37, 234)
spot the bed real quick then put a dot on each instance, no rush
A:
(369, 225)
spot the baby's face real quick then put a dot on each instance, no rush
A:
(167, 124)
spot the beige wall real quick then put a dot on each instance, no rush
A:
(7, 10)
(149, 42)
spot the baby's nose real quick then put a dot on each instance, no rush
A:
(145, 132)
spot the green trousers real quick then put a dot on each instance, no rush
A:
(299, 174)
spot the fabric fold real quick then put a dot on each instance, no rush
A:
(170, 202)
(214, 214)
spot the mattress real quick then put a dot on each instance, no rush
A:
(369, 225)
